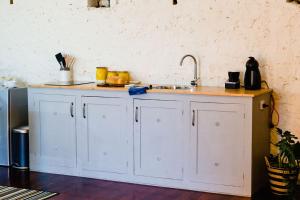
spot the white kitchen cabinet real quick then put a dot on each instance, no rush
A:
(200, 142)
(53, 135)
(158, 136)
(103, 142)
(217, 143)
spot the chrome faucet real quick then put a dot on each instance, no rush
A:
(193, 82)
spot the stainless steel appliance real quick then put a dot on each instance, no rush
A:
(13, 113)
(20, 148)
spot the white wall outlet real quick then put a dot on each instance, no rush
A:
(262, 105)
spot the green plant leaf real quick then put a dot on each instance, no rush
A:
(287, 149)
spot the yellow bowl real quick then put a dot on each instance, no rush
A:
(124, 75)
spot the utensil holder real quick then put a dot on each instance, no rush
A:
(65, 76)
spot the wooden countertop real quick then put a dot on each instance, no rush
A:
(201, 90)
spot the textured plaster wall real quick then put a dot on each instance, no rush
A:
(148, 37)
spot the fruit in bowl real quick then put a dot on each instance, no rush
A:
(117, 78)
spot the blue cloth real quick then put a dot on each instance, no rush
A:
(137, 90)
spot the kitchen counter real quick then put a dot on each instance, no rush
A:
(103, 133)
(201, 90)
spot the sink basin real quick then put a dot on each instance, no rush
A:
(171, 87)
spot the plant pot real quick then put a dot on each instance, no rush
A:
(283, 181)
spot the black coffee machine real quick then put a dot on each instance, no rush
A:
(233, 81)
(252, 79)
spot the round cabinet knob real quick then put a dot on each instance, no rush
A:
(216, 164)
(104, 153)
(158, 120)
(103, 116)
(158, 159)
(218, 124)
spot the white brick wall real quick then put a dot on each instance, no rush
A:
(150, 37)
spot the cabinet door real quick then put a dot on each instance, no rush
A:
(104, 138)
(55, 136)
(217, 143)
(158, 139)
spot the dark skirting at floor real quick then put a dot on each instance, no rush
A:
(76, 188)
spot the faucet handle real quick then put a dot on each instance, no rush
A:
(193, 83)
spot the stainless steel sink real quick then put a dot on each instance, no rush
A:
(171, 87)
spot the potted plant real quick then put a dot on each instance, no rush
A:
(283, 168)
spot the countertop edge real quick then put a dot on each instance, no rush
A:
(203, 90)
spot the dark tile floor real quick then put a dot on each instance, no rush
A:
(75, 188)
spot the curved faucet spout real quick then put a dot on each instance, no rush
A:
(195, 65)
